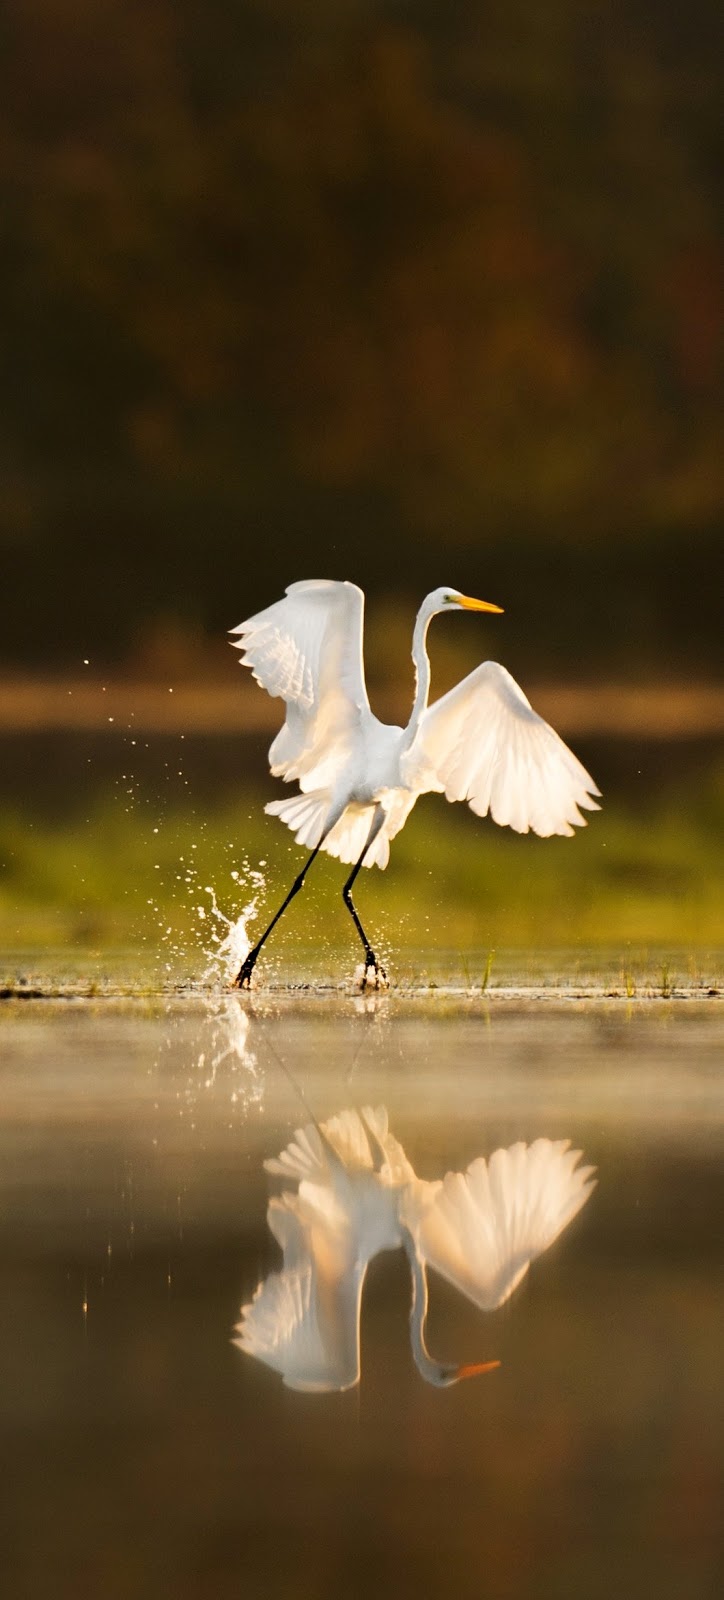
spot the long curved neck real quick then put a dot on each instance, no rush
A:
(418, 1312)
(422, 669)
(431, 1371)
(434, 1372)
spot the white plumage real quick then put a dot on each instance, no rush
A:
(481, 1229)
(358, 777)
(282, 1328)
(485, 744)
(357, 1195)
(343, 1213)
(307, 650)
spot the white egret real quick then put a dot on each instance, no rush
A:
(357, 1195)
(359, 778)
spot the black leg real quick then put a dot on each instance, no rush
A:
(243, 977)
(371, 961)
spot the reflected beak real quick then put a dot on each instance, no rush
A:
(467, 601)
(474, 1369)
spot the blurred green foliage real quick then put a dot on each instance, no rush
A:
(627, 883)
(333, 289)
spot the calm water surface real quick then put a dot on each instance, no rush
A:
(144, 1454)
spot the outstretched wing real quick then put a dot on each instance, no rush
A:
(304, 1321)
(349, 1133)
(484, 743)
(307, 650)
(481, 1229)
(312, 1338)
(304, 1157)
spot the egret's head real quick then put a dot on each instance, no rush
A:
(447, 599)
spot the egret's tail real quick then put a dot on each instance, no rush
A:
(305, 814)
(308, 814)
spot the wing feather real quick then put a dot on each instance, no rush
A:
(484, 743)
(304, 1320)
(481, 1229)
(307, 650)
(311, 1339)
(307, 1160)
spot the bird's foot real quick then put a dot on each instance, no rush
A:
(371, 975)
(244, 975)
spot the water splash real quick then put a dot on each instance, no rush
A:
(222, 1069)
(229, 1042)
(227, 1066)
(226, 950)
(211, 1062)
(214, 942)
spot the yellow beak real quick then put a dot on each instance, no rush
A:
(474, 1368)
(478, 605)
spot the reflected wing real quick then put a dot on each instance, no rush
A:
(484, 743)
(304, 1330)
(314, 1225)
(307, 650)
(361, 1140)
(482, 1228)
(387, 1153)
(304, 1321)
(304, 1157)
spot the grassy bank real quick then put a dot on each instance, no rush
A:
(130, 878)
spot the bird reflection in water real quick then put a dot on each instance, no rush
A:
(356, 1194)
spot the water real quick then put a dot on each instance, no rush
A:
(145, 1454)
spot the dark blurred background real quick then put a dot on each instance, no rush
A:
(389, 290)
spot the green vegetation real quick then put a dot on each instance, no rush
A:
(628, 885)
